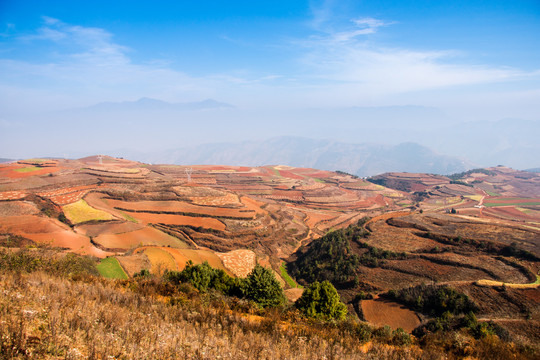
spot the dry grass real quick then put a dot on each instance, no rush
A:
(47, 317)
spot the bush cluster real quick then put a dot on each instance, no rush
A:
(433, 300)
(260, 286)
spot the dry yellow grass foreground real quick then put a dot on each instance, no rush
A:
(53, 318)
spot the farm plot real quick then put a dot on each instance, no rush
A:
(513, 213)
(67, 195)
(436, 271)
(181, 207)
(228, 199)
(113, 227)
(393, 238)
(254, 205)
(111, 268)
(80, 212)
(239, 262)
(143, 237)
(314, 217)
(491, 265)
(382, 312)
(17, 171)
(14, 208)
(12, 195)
(160, 260)
(51, 232)
(502, 201)
(207, 223)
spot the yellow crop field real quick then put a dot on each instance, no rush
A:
(79, 212)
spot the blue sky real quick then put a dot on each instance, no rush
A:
(473, 60)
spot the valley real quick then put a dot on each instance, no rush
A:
(477, 232)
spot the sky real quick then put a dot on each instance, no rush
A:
(274, 61)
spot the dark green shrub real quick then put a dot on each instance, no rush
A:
(322, 301)
(262, 287)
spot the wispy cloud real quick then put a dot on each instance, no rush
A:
(344, 58)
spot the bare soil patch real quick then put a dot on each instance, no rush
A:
(239, 262)
(382, 312)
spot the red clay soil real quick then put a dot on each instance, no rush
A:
(506, 200)
(18, 175)
(313, 218)
(382, 312)
(110, 227)
(14, 208)
(142, 237)
(178, 206)
(290, 175)
(207, 223)
(12, 195)
(509, 212)
(49, 231)
(252, 204)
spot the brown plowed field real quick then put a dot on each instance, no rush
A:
(207, 223)
(227, 200)
(134, 263)
(143, 237)
(239, 262)
(382, 312)
(108, 228)
(14, 208)
(510, 213)
(314, 218)
(253, 205)
(178, 206)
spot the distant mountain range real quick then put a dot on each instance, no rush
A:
(358, 159)
(149, 104)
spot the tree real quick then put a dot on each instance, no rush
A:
(322, 301)
(262, 287)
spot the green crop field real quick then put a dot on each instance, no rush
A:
(288, 279)
(110, 268)
(80, 211)
(26, 169)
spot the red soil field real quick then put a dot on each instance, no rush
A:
(178, 206)
(143, 237)
(509, 212)
(506, 200)
(290, 175)
(181, 256)
(313, 218)
(252, 204)
(51, 232)
(12, 195)
(14, 208)
(382, 312)
(207, 223)
(108, 228)
(9, 171)
(67, 190)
